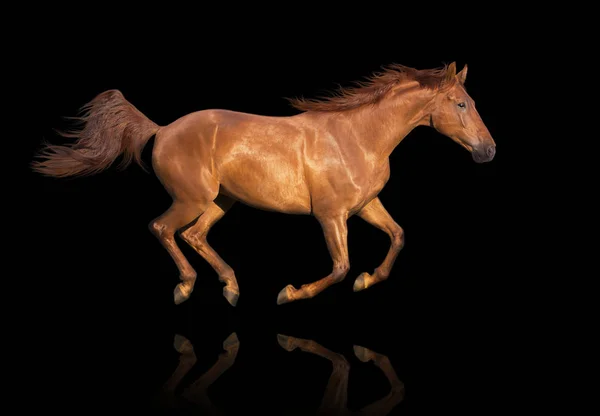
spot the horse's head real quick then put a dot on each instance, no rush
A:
(454, 115)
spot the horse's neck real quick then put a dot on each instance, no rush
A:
(380, 128)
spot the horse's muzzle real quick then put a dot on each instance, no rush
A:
(484, 154)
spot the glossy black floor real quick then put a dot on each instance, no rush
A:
(445, 349)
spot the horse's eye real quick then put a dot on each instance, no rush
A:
(462, 105)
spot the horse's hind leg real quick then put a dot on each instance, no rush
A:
(196, 235)
(164, 228)
(336, 235)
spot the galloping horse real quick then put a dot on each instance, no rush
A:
(330, 161)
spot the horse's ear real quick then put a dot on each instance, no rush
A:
(462, 75)
(450, 72)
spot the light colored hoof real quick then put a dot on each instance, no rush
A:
(179, 295)
(285, 296)
(361, 282)
(231, 296)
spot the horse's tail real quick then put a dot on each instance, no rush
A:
(108, 127)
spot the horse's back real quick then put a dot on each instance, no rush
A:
(256, 159)
(261, 161)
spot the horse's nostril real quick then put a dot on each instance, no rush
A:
(491, 151)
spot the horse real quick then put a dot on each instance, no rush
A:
(330, 161)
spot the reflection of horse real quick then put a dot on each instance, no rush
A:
(196, 392)
(336, 393)
(331, 161)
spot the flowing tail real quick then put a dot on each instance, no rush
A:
(109, 126)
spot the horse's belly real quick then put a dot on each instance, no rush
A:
(266, 183)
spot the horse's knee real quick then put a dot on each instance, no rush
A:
(155, 228)
(397, 237)
(160, 230)
(340, 271)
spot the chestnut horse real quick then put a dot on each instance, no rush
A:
(330, 161)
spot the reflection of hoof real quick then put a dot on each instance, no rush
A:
(363, 354)
(182, 345)
(287, 343)
(285, 296)
(361, 282)
(231, 296)
(179, 295)
(231, 341)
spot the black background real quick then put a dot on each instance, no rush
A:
(101, 285)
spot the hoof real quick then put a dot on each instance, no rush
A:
(182, 345)
(285, 296)
(179, 295)
(362, 353)
(361, 282)
(231, 296)
(231, 341)
(287, 343)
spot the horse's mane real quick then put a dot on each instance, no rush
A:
(373, 89)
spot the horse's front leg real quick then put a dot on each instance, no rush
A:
(375, 214)
(335, 399)
(336, 235)
(384, 405)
